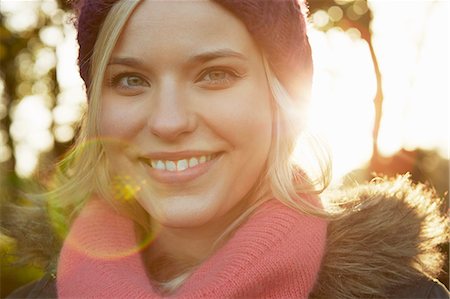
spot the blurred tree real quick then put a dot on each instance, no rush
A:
(28, 67)
(424, 166)
(351, 15)
(21, 49)
(29, 40)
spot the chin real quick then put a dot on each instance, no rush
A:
(182, 212)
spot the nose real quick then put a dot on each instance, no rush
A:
(170, 116)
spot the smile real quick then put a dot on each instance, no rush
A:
(179, 165)
(180, 168)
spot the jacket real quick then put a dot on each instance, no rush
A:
(386, 245)
(422, 288)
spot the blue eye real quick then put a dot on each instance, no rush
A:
(132, 81)
(128, 81)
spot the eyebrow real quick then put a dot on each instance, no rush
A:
(128, 61)
(198, 58)
(220, 53)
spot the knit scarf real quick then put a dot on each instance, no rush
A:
(276, 253)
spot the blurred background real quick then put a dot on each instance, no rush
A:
(380, 96)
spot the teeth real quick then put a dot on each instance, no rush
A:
(179, 165)
(160, 165)
(171, 166)
(182, 165)
(193, 162)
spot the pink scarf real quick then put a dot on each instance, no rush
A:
(275, 254)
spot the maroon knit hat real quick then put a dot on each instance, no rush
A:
(277, 26)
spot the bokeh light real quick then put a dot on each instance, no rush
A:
(405, 37)
(321, 18)
(30, 131)
(38, 115)
(21, 15)
(43, 97)
(413, 58)
(335, 13)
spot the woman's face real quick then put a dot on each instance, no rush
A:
(186, 111)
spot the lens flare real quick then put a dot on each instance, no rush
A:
(125, 188)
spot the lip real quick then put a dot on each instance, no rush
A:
(179, 177)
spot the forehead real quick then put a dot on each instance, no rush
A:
(162, 28)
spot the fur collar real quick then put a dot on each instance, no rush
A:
(388, 235)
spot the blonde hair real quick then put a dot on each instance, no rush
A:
(85, 170)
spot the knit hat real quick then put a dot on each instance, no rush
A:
(277, 26)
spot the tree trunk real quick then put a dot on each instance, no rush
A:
(378, 99)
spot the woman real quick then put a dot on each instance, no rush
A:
(186, 185)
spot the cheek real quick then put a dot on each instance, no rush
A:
(120, 120)
(243, 117)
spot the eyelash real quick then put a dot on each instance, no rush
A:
(231, 76)
(219, 83)
(115, 81)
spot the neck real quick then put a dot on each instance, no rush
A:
(177, 249)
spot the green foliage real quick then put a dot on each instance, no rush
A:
(20, 49)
